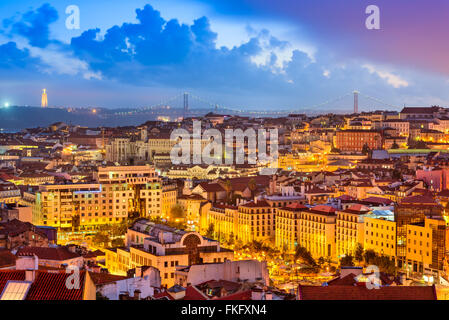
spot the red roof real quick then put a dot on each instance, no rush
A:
(193, 293)
(342, 292)
(211, 187)
(100, 278)
(47, 285)
(162, 295)
(296, 206)
(45, 253)
(358, 207)
(259, 204)
(419, 200)
(7, 259)
(378, 200)
(324, 208)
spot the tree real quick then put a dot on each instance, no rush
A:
(252, 186)
(347, 261)
(101, 239)
(358, 255)
(304, 255)
(177, 212)
(133, 216)
(119, 229)
(227, 185)
(210, 231)
(369, 256)
(231, 239)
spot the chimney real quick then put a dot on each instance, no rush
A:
(27, 262)
(30, 275)
(268, 295)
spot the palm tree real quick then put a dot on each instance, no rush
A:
(227, 185)
(252, 186)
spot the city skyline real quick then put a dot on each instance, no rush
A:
(246, 54)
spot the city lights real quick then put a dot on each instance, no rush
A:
(252, 153)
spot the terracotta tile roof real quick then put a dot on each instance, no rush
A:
(259, 204)
(296, 206)
(193, 293)
(241, 295)
(58, 254)
(378, 200)
(100, 278)
(348, 280)
(7, 259)
(211, 187)
(358, 207)
(15, 227)
(94, 254)
(324, 208)
(318, 191)
(344, 292)
(47, 285)
(419, 200)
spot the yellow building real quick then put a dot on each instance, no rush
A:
(118, 192)
(192, 205)
(380, 234)
(255, 222)
(426, 246)
(287, 233)
(117, 261)
(224, 218)
(169, 198)
(165, 248)
(317, 231)
(349, 229)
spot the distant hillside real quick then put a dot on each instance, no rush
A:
(17, 118)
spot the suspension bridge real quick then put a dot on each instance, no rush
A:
(187, 102)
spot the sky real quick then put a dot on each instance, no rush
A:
(246, 54)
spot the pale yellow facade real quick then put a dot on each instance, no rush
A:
(380, 236)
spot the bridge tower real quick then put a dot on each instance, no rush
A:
(186, 104)
(356, 102)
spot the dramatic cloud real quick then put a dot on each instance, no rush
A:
(12, 57)
(34, 25)
(263, 71)
(413, 33)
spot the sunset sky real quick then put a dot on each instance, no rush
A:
(256, 54)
